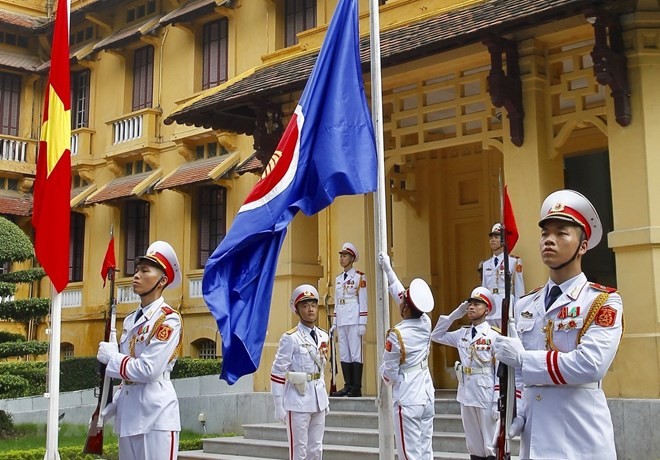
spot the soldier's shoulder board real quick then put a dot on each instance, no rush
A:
(167, 309)
(496, 329)
(321, 329)
(292, 331)
(359, 272)
(515, 257)
(600, 287)
(533, 291)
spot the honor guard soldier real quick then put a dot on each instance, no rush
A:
(566, 336)
(406, 367)
(350, 320)
(492, 275)
(297, 381)
(478, 387)
(146, 407)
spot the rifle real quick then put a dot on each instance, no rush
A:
(333, 363)
(507, 399)
(94, 442)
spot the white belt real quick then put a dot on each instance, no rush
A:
(475, 370)
(423, 364)
(591, 386)
(165, 376)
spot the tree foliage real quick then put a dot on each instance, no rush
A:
(16, 246)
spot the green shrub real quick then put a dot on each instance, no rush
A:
(23, 310)
(79, 373)
(32, 347)
(6, 424)
(194, 367)
(6, 336)
(24, 276)
(16, 246)
(13, 386)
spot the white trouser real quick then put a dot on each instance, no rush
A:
(413, 431)
(350, 344)
(155, 445)
(305, 433)
(480, 430)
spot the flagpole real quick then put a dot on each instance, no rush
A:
(384, 400)
(53, 395)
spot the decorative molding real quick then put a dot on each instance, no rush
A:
(151, 158)
(185, 150)
(506, 89)
(227, 140)
(610, 63)
(115, 168)
(95, 19)
(402, 179)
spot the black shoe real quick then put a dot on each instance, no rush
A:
(343, 392)
(355, 392)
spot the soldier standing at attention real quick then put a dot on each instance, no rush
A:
(478, 386)
(350, 320)
(406, 367)
(566, 336)
(297, 381)
(492, 275)
(146, 405)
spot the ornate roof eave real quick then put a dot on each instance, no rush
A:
(231, 107)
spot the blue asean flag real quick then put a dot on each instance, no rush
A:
(328, 149)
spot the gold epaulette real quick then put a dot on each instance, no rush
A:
(292, 330)
(496, 329)
(533, 291)
(359, 272)
(321, 329)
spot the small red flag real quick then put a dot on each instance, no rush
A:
(109, 262)
(509, 222)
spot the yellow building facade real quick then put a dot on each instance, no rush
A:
(176, 102)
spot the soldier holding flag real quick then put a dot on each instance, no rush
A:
(565, 338)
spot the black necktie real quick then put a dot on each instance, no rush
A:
(554, 293)
(496, 261)
(474, 331)
(138, 315)
(345, 275)
(313, 334)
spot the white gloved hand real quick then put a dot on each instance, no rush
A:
(109, 411)
(460, 311)
(516, 427)
(509, 350)
(106, 351)
(362, 329)
(333, 328)
(280, 413)
(494, 413)
(384, 261)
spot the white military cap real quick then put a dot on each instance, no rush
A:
(484, 295)
(496, 230)
(571, 206)
(162, 255)
(303, 292)
(420, 296)
(348, 248)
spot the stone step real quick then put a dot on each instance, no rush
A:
(443, 405)
(239, 448)
(348, 420)
(356, 437)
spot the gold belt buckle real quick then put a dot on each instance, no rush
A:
(496, 291)
(127, 382)
(341, 302)
(467, 370)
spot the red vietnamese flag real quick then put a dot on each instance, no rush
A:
(52, 186)
(109, 262)
(509, 222)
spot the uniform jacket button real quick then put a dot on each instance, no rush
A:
(538, 397)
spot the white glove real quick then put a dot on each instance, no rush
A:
(280, 413)
(516, 427)
(333, 328)
(509, 350)
(384, 261)
(109, 411)
(494, 413)
(362, 329)
(106, 351)
(459, 312)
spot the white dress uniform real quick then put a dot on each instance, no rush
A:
(565, 409)
(146, 401)
(478, 385)
(492, 277)
(350, 311)
(298, 352)
(405, 367)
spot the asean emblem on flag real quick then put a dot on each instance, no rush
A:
(282, 167)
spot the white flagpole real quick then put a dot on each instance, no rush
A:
(384, 400)
(52, 422)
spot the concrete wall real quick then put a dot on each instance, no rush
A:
(225, 407)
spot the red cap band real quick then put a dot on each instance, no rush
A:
(169, 271)
(573, 215)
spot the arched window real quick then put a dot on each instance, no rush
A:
(205, 348)
(66, 350)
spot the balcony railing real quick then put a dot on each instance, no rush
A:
(134, 130)
(16, 149)
(81, 142)
(125, 294)
(195, 288)
(72, 298)
(75, 141)
(128, 129)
